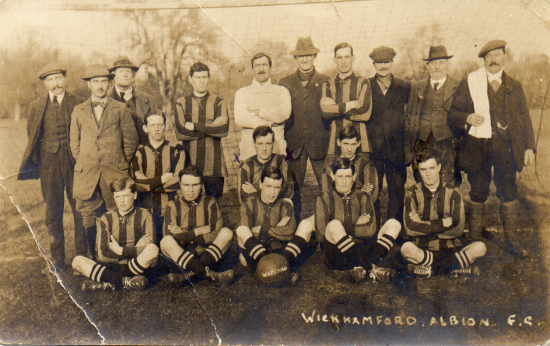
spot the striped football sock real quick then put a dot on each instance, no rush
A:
(212, 255)
(294, 247)
(255, 250)
(101, 273)
(188, 261)
(381, 249)
(135, 267)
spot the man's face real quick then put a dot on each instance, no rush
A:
(191, 187)
(270, 189)
(348, 147)
(55, 83)
(429, 171)
(155, 127)
(494, 60)
(383, 68)
(344, 60)
(262, 70)
(99, 86)
(264, 146)
(123, 76)
(124, 200)
(305, 62)
(438, 68)
(199, 81)
(343, 180)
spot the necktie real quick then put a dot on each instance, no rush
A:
(102, 104)
(192, 216)
(348, 224)
(495, 85)
(55, 103)
(436, 85)
(122, 96)
(122, 226)
(266, 224)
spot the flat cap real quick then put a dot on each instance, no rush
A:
(305, 46)
(51, 68)
(382, 53)
(123, 61)
(96, 71)
(491, 45)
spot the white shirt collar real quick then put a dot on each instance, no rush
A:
(497, 76)
(59, 97)
(440, 81)
(257, 84)
(130, 92)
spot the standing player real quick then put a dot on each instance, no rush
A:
(250, 170)
(346, 224)
(433, 220)
(367, 178)
(125, 244)
(268, 224)
(196, 218)
(155, 168)
(202, 122)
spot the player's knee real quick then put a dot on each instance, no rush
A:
(392, 227)
(242, 260)
(243, 233)
(151, 251)
(305, 229)
(225, 235)
(408, 249)
(167, 243)
(479, 249)
(334, 231)
(78, 263)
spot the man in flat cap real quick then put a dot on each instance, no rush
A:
(306, 131)
(426, 122)
(490, 113)
(103, 140)
(139, 103)
(261, 104)
(386, 130)
(48, 155)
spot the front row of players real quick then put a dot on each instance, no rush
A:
(194, 239)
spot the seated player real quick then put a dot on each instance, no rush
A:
(251, 169)
(346, 225)
(367, 179)
(433, 220)
(268, 224)
(155, 168)
(125, 244)
(196, 218)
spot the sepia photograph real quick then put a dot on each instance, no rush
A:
(275, 172)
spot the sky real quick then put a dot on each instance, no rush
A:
(464, 25)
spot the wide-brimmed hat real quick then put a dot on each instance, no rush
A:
(438, 52)
(305, 46)
(123, 61)
(96, 71)
(491, 45)
(382, 53)
(51, 68)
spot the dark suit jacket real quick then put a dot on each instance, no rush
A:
(416, 101)
(145, 103)
(35, 115)
(517, 115)
(105, 150)
(306, 127)
(388, 120)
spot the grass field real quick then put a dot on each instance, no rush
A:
(43, 309)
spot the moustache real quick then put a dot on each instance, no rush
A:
(494, 64)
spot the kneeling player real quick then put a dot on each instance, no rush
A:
(268, 224)
(196, 218)
(346, 225)
(434, 219)
(125, 244)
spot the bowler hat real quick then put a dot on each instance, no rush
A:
(438, 52)
(305, 46)
(382, 53)
(491, 45)
(96, 71)
(51, 68)
(123, 61)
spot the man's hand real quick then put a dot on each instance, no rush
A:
(219, 121)
(327, 101)
(174, 228)
(363, 219)
(113, 245)
(256, 230)
(166, 177)
(367, 188)
(475, 119)
(283, 221)
(448, 221)
(145, 240)
(249, 188)
(414, 216)
(529, 158)
(140, 176)
(189, 126)
(202, 230)
(352, 105)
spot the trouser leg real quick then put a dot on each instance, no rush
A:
(297, 167)
(380, 170)
(396, 177)
(90, 210)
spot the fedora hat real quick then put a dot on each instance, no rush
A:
(51, 68)
(96, 71)
(438, 52)
(305, 46)
(123, 61)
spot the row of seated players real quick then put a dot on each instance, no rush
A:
(344, 223)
